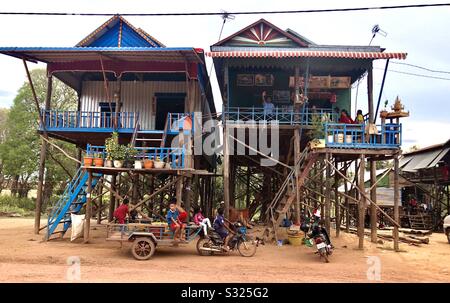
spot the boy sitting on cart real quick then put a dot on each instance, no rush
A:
(174, 221)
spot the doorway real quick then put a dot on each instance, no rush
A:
(167, 103)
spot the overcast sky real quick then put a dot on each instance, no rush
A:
(424, 33)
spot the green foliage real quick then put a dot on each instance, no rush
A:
(11, 204)
(318, 130)
(20, 143)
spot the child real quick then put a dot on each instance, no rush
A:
(121, 213)
(173, 219)
(202, 221)
(359, 117)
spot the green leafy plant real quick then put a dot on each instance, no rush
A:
(112, 145)
(131, 152)
(318, 130)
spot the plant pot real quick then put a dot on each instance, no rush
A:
(138, 164)
(383, 113)
(88, 161)
(98, 161)
(118, 163)
(148, 163)
(108, 163)
(159, 164)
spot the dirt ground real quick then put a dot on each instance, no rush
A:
(24, 258)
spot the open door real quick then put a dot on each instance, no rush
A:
(167, 103)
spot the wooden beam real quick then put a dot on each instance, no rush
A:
(155, 193)
(395, 223)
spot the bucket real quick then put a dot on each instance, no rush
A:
(295, 240)
(340, 138)
(330, 138)
(348, 139)
(280, 242)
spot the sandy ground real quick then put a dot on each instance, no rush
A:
(25, 258)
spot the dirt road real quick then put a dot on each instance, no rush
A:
(23, 257)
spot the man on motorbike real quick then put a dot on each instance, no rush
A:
(221, 229)
(318, 228)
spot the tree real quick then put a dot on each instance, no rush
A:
(19, 151)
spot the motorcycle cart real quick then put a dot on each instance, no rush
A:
(146, 237)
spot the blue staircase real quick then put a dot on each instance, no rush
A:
(71, 202)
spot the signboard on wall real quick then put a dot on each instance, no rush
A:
(323, 82)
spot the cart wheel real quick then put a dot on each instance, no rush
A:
(203, 242)
(247, 248)
(143, 248)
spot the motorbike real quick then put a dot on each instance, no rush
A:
(324, 249)
(240, 241)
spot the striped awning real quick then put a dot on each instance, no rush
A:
(308, 54)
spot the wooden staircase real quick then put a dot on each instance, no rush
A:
(420, 221)
(287, 193)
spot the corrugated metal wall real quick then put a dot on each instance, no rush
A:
(136, 96)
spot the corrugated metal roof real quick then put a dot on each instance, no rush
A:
(118, 32)
(71, 54)
(262, 53)
(439, 157)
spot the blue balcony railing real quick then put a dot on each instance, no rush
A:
(173, 155)
(283, 116)
(88, 121)
(341, 135)
(179, 121)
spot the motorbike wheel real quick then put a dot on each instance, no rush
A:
(323, 254)
(247, 248)
(203, 242)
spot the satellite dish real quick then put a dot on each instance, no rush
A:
(377, 30)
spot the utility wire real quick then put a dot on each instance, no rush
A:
(236, 13)
(424, 68)
(414, 74)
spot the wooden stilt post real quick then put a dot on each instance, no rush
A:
(328, 193)
(42, 158)
(361, 205)
(347, 203)
(135, 193)
(337, 208)
(100, 203)
(226, 172)
(87, 222)
(112, 199)
(373, 197)
(179, 190)
(297, 188)
(395, 234)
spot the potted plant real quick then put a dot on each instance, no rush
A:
(108, 161)
(130, 154)
(158, 163)
(318, 131)
(118, 155)
(111, 144)
(148, 163)
(98, 159)
(88, 159)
